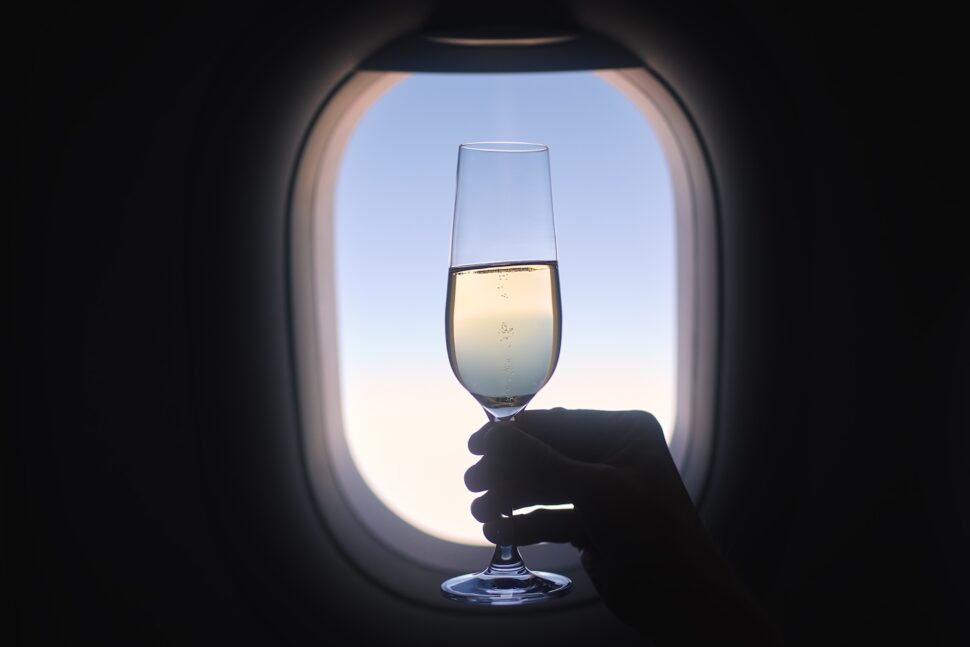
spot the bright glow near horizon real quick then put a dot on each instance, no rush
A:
(406, 417)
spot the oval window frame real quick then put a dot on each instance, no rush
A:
(385, 549)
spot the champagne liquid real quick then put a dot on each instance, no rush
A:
(503, 331)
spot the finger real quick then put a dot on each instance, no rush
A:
(594, 436)
(513, 481)
(488, 507)
(499, 531)
(476, 442)
(558, 526)
(497, 502)
(530, 472)
(581, 434)
(480, 476)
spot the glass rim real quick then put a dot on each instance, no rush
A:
(505, 147)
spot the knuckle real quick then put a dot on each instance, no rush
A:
(476, 507)
(490, 533)
(473, 478)
(482, 509)
(476, 442)
(646, 424)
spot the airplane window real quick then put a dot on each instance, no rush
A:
(384, 421)
(405, 417)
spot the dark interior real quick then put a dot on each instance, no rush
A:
(153, 487)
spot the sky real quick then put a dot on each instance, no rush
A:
(406, 417)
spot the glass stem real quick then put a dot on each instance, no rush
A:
(506, 559)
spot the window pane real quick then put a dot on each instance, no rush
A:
(406, 417)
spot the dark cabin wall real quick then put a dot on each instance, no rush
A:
(152, 491)
(837, 491)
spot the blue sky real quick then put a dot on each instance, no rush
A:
(406, 417)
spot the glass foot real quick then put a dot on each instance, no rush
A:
(496, 586)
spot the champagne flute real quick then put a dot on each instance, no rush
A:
(503, 319)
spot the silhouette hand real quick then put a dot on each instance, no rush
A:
(641, 540)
